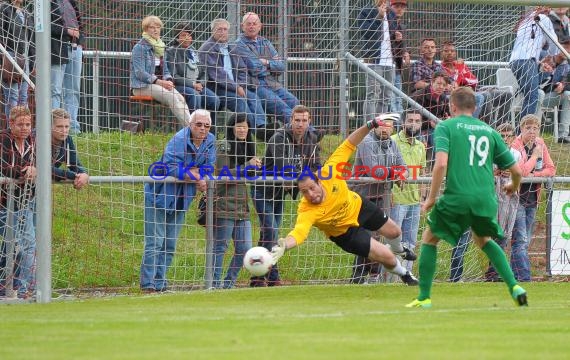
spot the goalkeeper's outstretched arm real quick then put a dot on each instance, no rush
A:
(359, 134)
(283, 244)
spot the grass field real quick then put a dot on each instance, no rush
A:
(468, 321)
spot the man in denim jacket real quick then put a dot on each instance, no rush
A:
(226, 75)
(189, 151)
(264, 66)
(188, 74)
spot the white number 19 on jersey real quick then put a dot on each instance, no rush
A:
(480, 147)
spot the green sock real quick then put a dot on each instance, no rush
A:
(427, 261)
(499, 260)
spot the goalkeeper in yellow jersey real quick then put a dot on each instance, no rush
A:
(343, 215)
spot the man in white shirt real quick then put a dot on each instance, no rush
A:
(525, 56)
(374, 28)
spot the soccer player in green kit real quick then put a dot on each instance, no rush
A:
(466, 149)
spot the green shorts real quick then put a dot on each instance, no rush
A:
(449, 219)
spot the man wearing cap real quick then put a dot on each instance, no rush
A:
(556, 91)
(379, 153)
(401, 54)
(382, 48)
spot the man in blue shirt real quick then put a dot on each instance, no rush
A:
(165, 204)
(264, 66)
(226, 75)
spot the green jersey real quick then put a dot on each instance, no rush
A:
(472, 147)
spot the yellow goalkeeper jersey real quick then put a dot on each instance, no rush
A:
(340, 207)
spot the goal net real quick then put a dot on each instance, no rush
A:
(99, 231)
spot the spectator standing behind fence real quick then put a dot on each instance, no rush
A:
(226, 74)
(18, 155)
(165, 204)
(189, 74)
(231, 207)
(67, 40)
(535, 162)
(555, 92)
(292, 147)
(264, 66)
(17, 35)
(149, 73)
(524, 61)
(399, 50)
(378, 151)
(406, 199)
(64, 153)
(374, 27)
(422, 70)
(559, 24)
(508, 204)
(560, 21)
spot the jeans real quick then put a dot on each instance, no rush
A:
(396, 104)
(506, 216)
(161, 229)
(206, 99)
(378, 96)
(553, 99)
(224, 230)
(522, 235)
(270, 214)
(66, 86)
(479, 103)
(497, 109)
(250, 106)
(15, 94)
(278, 102)
(25, 245)
(457, 254)
(526, 72)
(408, 219)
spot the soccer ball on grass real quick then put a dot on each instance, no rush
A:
(258, 261)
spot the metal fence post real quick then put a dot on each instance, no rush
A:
(10, 241)
(343, 74)
(209, 271)
(96, 83)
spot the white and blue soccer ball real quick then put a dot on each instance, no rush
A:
(258, 261)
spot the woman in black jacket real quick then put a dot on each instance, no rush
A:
(231, 215)
(188, 74)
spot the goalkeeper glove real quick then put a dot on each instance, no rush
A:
(278, 250)
(379, 120)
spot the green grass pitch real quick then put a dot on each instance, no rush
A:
(467, 321)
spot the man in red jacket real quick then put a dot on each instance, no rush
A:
(486, 98)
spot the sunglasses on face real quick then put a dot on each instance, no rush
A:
(200, 125)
